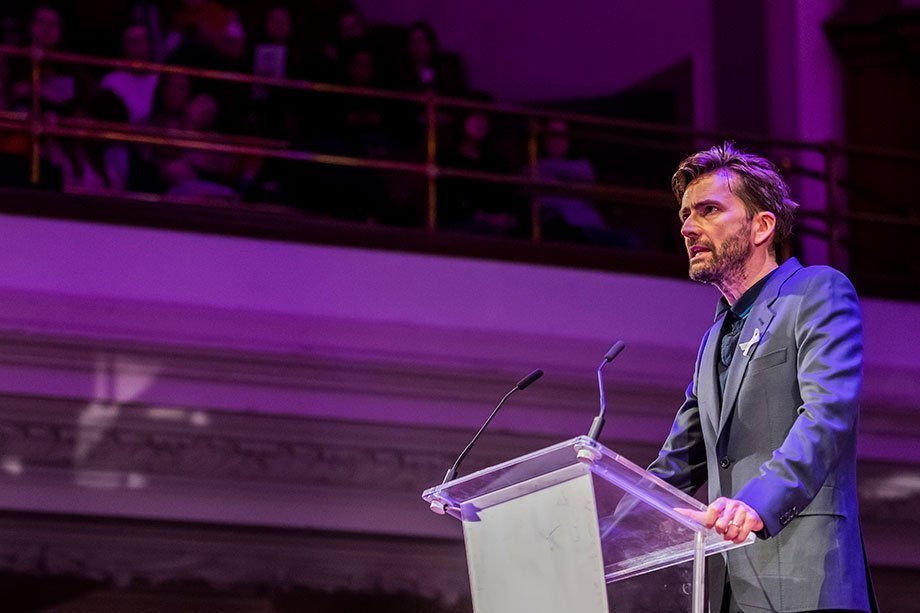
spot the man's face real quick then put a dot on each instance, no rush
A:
(361, 69)
(46, 28)
(717, 229)
(201, 112)
(351, 27)
(278, 24)
(176, 91)
(136, 43)
(476, 127)
(420, 46)
(557, 140)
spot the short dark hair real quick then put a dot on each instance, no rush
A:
(760, 185)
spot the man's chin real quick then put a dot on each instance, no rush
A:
(702, 273)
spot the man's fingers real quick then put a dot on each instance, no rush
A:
(723, 523)
(697, 516)
(744, 523)
(750, 521)
(714, 513)
(733, 519)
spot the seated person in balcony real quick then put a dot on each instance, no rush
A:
(233, 55)
(95, 164)
(232, 49)
(210, 37)
(199, 173)
(276, 55)
(570, 216)
(351, 125)
(170, 99)
(359, 124)
(58, 82)
(350, 31)
(136, 88)
(476, 205)
(426, 68)
(196, 28)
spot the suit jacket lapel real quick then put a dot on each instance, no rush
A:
(708, 381)
(756, 323)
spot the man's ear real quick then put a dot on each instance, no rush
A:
(764, 224)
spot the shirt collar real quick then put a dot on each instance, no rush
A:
(743, 306)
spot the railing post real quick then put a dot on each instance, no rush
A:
(431, 159)
(836, 220)
(533, 171)
(35, 125)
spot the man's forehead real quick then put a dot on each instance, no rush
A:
(707, 186)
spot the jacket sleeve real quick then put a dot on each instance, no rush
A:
(828, 334)
(682, 459)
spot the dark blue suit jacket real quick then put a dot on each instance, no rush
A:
(783, 441)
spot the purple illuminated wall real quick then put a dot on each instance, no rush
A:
(545, 51)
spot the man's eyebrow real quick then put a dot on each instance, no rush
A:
(696, 205)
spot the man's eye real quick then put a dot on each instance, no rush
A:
(708, 209)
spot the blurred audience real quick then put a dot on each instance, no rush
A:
(478, 206)
(426, 68)
(567, 217)
(136, 88)
(276, 55)
(199, 23)
(171, 96)
(58, 82)
(350, 27)
(232, 52)
(202, 173)
(268, 41)
(95, 164)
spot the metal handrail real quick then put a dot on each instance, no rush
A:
(39, 55)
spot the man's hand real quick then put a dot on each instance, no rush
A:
(731, 518)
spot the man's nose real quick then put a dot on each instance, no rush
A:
(688, 229)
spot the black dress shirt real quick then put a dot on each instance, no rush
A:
(730, 331)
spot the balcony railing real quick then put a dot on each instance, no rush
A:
(817, 167)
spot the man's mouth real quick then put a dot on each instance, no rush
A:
(696, 250)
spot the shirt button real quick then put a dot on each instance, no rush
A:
(725, 462)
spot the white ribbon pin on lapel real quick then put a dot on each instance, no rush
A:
(747, 346)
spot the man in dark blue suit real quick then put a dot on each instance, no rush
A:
(770, 417)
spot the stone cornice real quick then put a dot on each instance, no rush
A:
(303, 502)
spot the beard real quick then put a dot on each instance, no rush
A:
(727, 262)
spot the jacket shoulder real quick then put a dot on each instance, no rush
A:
(817, 276)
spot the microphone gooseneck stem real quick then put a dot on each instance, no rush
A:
(600, 387)
(598, 424)
(452, 471)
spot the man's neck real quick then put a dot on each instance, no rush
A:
(758, 267)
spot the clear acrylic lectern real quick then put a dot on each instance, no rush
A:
(577, 527)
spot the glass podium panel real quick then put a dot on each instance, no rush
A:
(642, 523)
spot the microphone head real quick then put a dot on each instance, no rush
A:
(614, 351)
(529, 379)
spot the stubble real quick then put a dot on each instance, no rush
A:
(726, 265)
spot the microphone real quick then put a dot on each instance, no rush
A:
(598, 424)
(522, 384)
